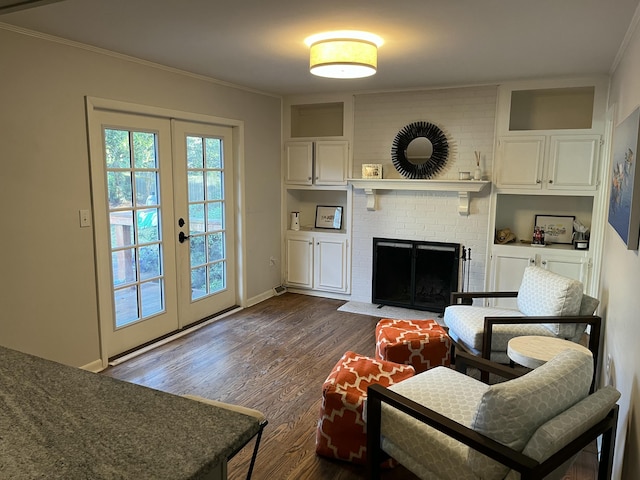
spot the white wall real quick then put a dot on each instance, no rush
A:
(47, 285)
(467, 117)
(620, 281)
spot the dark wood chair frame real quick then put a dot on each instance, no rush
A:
(594, 321)
(528, 468)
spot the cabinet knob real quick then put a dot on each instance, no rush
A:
(308, 178)
(544, 262)
(550, 181)
(538, 181)
(532, 260)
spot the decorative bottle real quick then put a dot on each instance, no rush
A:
(477, 173)
(295, 221)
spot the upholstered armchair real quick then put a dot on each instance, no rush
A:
(548, 305)
(444, 424)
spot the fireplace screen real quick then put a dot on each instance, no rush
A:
(414, 274)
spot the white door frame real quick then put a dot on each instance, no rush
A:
(94, 104)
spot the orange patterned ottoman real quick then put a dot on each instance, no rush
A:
(421, 343)
(341, 429)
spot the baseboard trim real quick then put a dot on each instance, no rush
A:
(259, 298)
(165, 340)
(96, 366)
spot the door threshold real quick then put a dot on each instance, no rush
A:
(158, 342)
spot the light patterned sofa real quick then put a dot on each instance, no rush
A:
(442, 424)
(548, 305)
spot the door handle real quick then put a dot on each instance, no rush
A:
(182, 237)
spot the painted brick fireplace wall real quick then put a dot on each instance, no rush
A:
(467, 117)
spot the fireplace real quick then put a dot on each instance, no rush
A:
(414, 274)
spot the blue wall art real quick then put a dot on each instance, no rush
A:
(624, 201)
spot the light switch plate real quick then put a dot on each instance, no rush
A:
(85, 218)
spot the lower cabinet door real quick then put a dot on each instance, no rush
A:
(507, 271)
(300, 261)
(572, 267)
(330, 264)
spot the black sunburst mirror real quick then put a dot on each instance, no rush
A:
(419, 150)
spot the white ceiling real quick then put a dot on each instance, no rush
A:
(428, 43)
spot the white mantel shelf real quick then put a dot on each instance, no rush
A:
(463, 187)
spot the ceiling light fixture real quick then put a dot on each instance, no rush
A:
(343, 54)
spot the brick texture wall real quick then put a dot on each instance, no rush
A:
(467, 117)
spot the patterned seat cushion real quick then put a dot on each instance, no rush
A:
(544, 293)
(421, 343)
(466, 326)
(511, 412)
(341, 428)
(421, 448)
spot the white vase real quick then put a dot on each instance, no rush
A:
(477, 174)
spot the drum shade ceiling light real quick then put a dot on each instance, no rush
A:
(343, 54)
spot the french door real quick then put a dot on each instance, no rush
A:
(164, 224)
(204, 197)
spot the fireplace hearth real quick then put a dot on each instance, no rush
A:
(414, 274)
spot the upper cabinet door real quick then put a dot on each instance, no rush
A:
(520, 161)
(331, 162)
(299, 163)
(573, 162)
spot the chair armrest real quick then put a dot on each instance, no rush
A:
(594, 321)
(465, 360)
(455, 296)
(528, 468)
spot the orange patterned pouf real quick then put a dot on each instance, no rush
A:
(421, 343)
(341, 429)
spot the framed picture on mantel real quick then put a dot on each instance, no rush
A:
(372, 170)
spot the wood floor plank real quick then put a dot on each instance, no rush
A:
(273, 357)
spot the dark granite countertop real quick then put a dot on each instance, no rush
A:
(61, 422)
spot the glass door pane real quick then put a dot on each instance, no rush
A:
(207, 231)
(135, 219)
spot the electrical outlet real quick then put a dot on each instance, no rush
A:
(272, 262)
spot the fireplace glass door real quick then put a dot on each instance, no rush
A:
(414, 274)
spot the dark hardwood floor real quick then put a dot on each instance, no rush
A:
(274, 357)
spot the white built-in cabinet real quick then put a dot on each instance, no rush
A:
(321, 162)
(550, 148)
(316, 162)
(317, 261)
(548, 162)
(509, 262)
